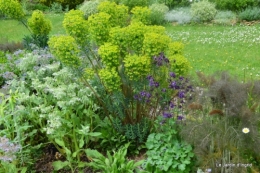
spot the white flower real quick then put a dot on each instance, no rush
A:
(245, 130)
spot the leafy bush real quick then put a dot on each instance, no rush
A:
(180, 15)
(225, 17)
(12, 9)
(141, 14)
(118, 13)
(233, 5)
(158, 12)
(133, 3)
(89, 7)
(250, 14)
(56, 7)
(64, 3)
(203, 11)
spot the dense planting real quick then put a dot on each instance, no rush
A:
(113, 92)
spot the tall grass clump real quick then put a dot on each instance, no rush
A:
(180, 15)
(225, 17)
(250, 14)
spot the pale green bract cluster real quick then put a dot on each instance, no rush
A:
(12, 8)
(110, 79)
(38, 24)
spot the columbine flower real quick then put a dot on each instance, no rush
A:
(245, 130)
(167, 115)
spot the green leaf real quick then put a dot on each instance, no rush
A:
(57, 165)
(182, 167)
(60, 142)
(81, 142)
(95, 134)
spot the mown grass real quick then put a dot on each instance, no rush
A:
(221, 48)
(13, 30)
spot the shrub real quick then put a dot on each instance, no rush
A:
(118, 13)
(133, 3)
(250, 14)
(225, 17)
(141, 14)
(89, 7)
(64, 3)
(203, 11)
(56, 7)
(233, 5)
(12, 9)
(158, 12)
(38, 24)
(180, 15)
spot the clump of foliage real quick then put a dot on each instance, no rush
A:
(203, 11)
(115, 163)
(118, 13)
(180, 15)
(225, 17)
(166, 153)
(233, 5)
(133, 3)
(38, 24)
(120, 67)
(76, 26)
(89, 7)
(158, 12)
(65, 49)
(229, 126)
(250, 14)
(141, 14)
(12, 9)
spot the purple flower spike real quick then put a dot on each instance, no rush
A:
(181, 94)
(172, 74)
(171, 105)
(167, 115)
(180, 117)
(173, 85)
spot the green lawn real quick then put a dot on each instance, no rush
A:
(217, 48)
(12, 30)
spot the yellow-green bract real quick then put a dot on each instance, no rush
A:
(137, 66)
(38, 24)
(12, 8)
(110, 78)
(76, 26)
(65, 49)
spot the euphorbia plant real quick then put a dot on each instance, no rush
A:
(129, 71)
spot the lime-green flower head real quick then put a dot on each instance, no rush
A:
(76, 26)
(109, 54)
(38, 24)
(12, 8)
(110, 79)
(65, 49)
(137, 66)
